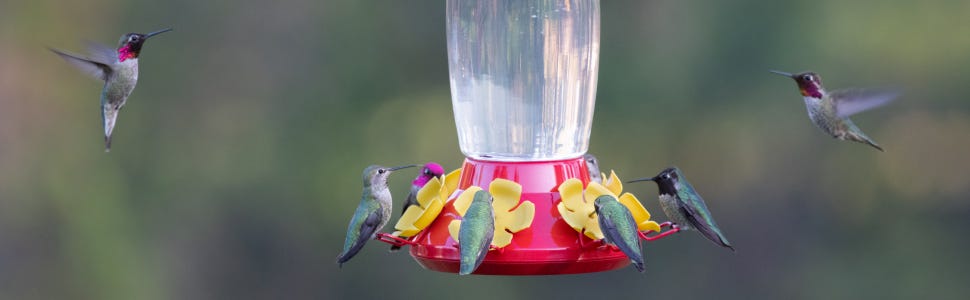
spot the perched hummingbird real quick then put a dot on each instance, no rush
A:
(476, 232)
(684, 207)
(619, 228)
(119, 70)
(373, 212)
(593, 165)
(430, 170)
(830, 111)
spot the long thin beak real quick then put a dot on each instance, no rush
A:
(643, 179)
(401, 167)
(157, 32)
(789, 75)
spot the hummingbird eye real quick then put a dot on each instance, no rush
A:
(427, 171)
(381, 171)
(808, 77)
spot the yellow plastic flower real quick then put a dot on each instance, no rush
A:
(511, 215)
(431, 199)
(579, 214)
(576, 207)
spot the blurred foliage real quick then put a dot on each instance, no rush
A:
(237, 161)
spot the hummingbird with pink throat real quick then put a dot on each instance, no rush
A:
(428, 171)
(118, 68)
(830, 111)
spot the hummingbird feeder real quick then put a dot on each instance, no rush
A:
(523, 81)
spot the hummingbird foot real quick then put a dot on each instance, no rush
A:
(393, 240)
(674, 229)
(585, 246)
(500, 250)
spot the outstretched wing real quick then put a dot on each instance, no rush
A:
(852, 101)
(101, 53)
(97, 69)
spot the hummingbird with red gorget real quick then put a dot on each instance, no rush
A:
(830, 111)
(428, 171)
(118, 68)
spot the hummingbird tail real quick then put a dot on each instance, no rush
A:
(862, 138)
(874, 145)
(107, 143)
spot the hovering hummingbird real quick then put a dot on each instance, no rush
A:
(619, 228)
(684, 207)
(373, 212)
(430, 170)
(593, 165)
(119, 70)
(830, 111)
(476, 232)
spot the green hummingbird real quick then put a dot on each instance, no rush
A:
(619, 228)
(593, 165)
(476, 232)
(684, 207)
(373, 212)
(830, 111)
(118, 68)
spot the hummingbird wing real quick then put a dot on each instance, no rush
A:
(101, 53)
(614, 231)
(852, 101)
(97, 69)
(412, 198)
(475, 234)
(695, 211)
(366, 230)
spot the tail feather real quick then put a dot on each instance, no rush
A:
(874, 145)
(862, 138)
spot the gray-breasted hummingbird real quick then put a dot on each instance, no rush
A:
(429, 171)
(476, 232)
(684, 207)
(373, 212)
(118, 68)
(593, 167)
(619, 228)
(830, 111)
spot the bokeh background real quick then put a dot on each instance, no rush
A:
(236, 165)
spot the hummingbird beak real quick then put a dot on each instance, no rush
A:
(157, 32)
(789, 75)
(401, 167)
(643, 179)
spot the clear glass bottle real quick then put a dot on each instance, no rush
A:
(523, 77)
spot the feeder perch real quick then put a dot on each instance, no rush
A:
(523, 81)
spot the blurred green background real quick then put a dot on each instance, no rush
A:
(236, 165)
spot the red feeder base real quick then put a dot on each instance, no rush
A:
(548, 247)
